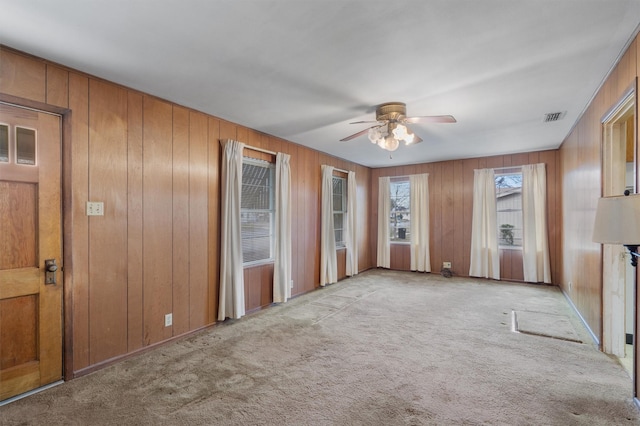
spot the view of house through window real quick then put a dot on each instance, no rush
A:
(400, 217)
(509, 207)
(339, 209)
(257, 210)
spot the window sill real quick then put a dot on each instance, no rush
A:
(258, 263)
(510, 248)
(402, 243)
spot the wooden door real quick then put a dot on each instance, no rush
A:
(30, 234)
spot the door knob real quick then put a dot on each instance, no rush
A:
(50, 268)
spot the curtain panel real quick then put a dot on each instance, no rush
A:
(328, 259)
(535, 243)
(231, 297)
(384, 211)
(485, 258)
(282, 265)
(351, 227)
(419, 201)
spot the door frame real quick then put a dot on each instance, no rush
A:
(608, 121)
(67, 272)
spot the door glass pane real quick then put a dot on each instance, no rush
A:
(25, 146)
(4, 143)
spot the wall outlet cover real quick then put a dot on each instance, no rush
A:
(446, 265)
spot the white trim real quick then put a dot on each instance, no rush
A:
(584, 322)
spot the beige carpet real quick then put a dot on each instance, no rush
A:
(382, 348)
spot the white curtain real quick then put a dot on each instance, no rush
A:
(231, 302)
(351, 228)
(384, 211)
(535, 244)
(485, 258)
(420, 258)
(328, 260)
(282, 265)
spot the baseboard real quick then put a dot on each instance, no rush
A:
(595, 338)
(100, 365)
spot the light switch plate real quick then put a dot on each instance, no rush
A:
(95, 208)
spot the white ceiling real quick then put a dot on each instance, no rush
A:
(303, 70)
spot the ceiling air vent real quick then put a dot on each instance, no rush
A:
(553, 116)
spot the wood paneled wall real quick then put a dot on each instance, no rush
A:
(155, 165)
(581, 163)
(451, 206)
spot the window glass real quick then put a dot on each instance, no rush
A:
(339, 209)
(509, 207)
(257, 210)
(25, 146)
(400, 217)
(4, 143)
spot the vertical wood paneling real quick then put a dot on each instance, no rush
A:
(297, 245)
(157, 217)
(251, 294)
(447, 207)
(311, 208)
(458, 217)
(213, 209)
(57, 86)
(79, 104)
(436, 213)
(451, 208)
(468, 176)
(363, 178)
(198, 221)
(266, 290)
(134, 223)
(108, 184)
(181, 254)
(22, 76)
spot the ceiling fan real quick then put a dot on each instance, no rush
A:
(390, 127)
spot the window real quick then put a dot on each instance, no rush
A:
(4, 143)
(21, 149)
(400, 217)
(257, 210)
(339, 209)
(509, 207)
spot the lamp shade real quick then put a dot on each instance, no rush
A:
(618, 220)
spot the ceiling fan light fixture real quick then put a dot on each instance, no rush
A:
(391, 143)
(401, 132)
(390, 126)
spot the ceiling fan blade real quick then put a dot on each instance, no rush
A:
(363, 122)
(355, 135)
(416, 139)
(431, 119)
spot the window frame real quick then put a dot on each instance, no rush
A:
(509, 171)
(271, 211)
(339, 244)
(392, 228)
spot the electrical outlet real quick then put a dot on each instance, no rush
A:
(168, 320)
(95, 208)
(446, 265)
(291, 285)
